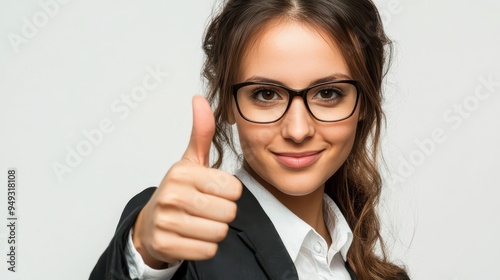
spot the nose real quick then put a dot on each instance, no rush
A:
(298, 124)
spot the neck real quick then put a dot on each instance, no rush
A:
(308, 208)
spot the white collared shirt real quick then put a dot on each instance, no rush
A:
(307, 249)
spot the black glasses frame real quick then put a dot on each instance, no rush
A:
(292, 92)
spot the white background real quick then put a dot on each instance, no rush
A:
(439, 205)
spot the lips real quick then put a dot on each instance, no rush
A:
(298, 160)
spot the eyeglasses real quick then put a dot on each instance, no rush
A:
(261, 102)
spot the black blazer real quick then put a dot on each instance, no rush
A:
(251, 250)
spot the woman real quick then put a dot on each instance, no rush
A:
(301, 82)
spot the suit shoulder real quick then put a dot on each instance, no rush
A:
(113, 264)
(139, 200)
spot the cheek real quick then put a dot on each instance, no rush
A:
(341, 136)
(350, 128)
(253, 138)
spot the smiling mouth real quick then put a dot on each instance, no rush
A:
(298, 160)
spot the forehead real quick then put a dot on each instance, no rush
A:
(293, 53)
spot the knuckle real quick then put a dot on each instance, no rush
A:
(238, 189)
(170, 199)
(167, 222)
(222, 232)
(177, 166)
(178, 172)
(219, 178)
(200, 202)
(158, 244)
(233, 192)
(210, 250)
(231, 211)
(212, 187)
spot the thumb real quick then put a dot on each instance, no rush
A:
(203, 131)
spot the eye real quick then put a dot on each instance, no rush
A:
(328, 94)
(264, 94)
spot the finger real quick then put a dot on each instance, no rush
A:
(202, 132)
(225, 186)
(196, 203)
(213, 181)
(212, 208)
(167, 246)
(193, 227)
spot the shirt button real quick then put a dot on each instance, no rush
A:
(317, 247)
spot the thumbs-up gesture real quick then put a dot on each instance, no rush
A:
(189, 212)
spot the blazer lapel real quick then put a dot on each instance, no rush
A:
(259, 234)
(351, 272)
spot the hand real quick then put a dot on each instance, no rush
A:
(189, 212)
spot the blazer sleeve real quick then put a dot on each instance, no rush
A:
(112, 264)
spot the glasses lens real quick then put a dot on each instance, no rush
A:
(262, 103)
(332, 102)
(267, 103)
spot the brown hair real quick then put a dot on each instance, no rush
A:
(357, 28)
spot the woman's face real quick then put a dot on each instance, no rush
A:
(296, 154)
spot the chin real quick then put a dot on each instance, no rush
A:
(296, 192)
(297, 185)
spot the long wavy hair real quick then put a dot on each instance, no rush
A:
(355, 25)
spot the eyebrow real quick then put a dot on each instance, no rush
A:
(330, 78)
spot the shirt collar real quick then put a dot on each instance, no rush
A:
(290, 227)
(337, 225)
